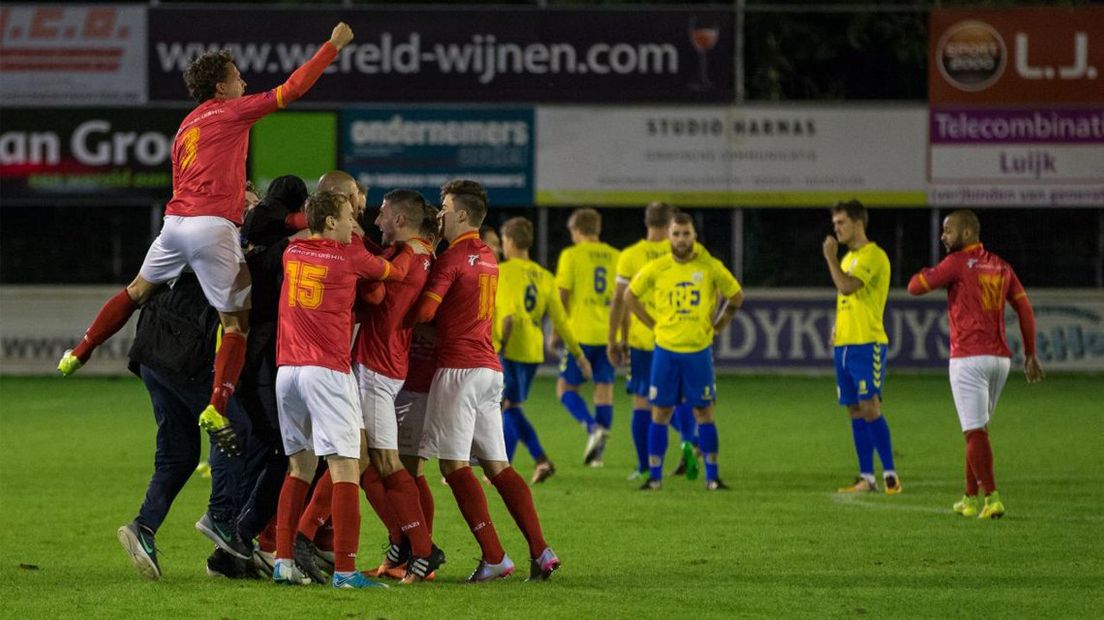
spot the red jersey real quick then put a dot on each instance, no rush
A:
(464, 280)
(423, 360)
(383, 344)
(209, 151)
(316, 300)
(978, 284)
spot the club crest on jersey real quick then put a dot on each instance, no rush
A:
(426, 264)
(472, 258)
(970, 263)
(697, 277)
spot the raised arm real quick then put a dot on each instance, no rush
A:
(305, 76)
(845, 284)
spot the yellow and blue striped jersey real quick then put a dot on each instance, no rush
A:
(586, 271)
(527, 292)
(684, 296)
(859, 316)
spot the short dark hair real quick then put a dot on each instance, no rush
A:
(855, 211)
(468, 196)
(586, 221)
(409, 203)
(520, 231)
(205, 72)
(658, 214)
(428, 228)
(682, 219)
(969, 220)
(321, 205)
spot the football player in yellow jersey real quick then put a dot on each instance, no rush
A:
(629, 338)
(860, 342)
(526, 293)
(584, 276)
(684, 288)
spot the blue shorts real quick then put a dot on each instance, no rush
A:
(640, 372)
(860, 371)
(599, 365)
(517, 378)
(679, 377)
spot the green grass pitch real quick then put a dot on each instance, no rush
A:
(75, 456)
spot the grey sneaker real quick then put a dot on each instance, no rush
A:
(485, 571)
(137, 540)
(225, 536)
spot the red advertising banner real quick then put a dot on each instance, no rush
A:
(1030, 55)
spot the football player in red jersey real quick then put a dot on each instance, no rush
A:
(978, 284)
(315, 388)
(463, 418)
(380, 362)
(207, 206)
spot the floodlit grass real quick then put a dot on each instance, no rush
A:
(75, 456)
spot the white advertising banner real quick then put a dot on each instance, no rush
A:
(731, 155)
(1017, 156)
(783, 330)
(72, 55)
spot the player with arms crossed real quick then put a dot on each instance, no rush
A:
(526, 292)
(978, 284)
(683, 288)
(201, 219)
(463, 418)
(316, 391)
(583, 275)
(860, 342)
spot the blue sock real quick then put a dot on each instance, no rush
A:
(603, 415)
(684, 421)
(864, 445)
(879, 433)
(657, 449)
(577, 407)
(707, 433)
(641, 420)
(526, 433)
(509, 433)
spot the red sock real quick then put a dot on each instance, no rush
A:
(267, 539)
(292, 497)
(473, 505)
(112, 317)
(980, 454)
(377, 497)
(346, 520)
(324, 537)
(228, 365)
(971, 478)
(425, 498)
(402, 495)
(519, 501)
(318, 509)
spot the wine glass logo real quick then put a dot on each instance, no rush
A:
(703, 36)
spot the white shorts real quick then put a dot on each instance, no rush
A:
(377, 406)
(318, 411)
(211, 246)
(976, 384)
(464, 416)
(410, 411)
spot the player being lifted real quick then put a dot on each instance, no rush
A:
(526, 292)
(584, 276)
(201, 219)
(315, 389)
(683, 287)
(978, 284)
(859, 338)
(628, 336)
(463, 418)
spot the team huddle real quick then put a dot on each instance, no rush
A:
(446, 337)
